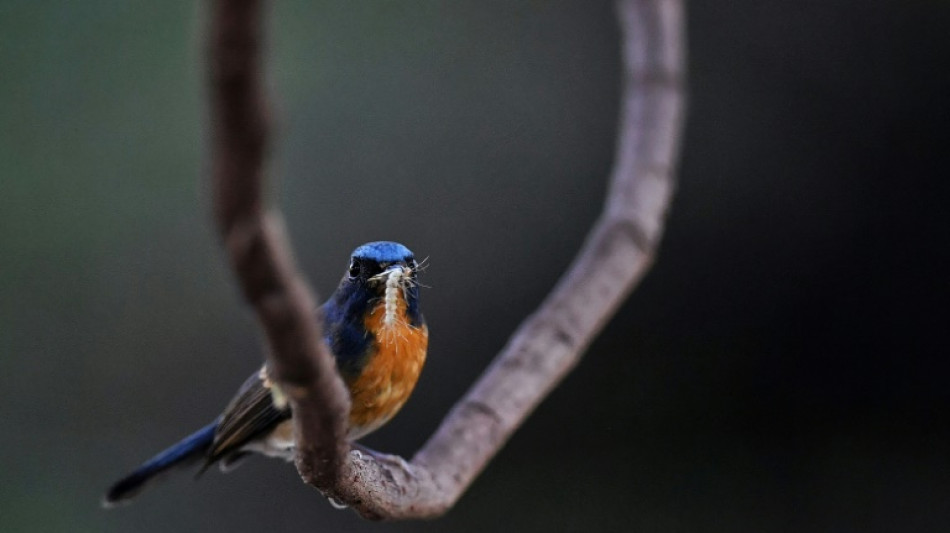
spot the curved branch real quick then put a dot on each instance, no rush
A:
(257, 245)
(618, 251)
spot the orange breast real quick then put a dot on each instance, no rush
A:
(391, 372)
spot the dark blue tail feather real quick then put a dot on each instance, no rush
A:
(186, 452)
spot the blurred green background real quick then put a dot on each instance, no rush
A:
(782, 368)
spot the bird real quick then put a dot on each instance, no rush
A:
(378, 337)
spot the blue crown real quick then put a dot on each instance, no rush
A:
(383, 252)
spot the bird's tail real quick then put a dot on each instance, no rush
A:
(188, 451)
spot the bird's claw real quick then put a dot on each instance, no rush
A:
(386, 459)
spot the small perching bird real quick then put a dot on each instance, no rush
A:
(376, 332)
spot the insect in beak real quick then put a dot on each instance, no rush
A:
(395, 277)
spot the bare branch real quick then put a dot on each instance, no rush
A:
(257, 244)
(618, 251)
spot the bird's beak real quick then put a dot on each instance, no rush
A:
(398, 266)
(393, 274)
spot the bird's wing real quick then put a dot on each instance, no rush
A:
(251, 414)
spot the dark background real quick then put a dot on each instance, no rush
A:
(782, 367)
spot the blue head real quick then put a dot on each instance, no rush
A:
(361, 289)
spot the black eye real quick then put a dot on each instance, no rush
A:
(354, 269)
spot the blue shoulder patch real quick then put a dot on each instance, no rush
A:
(382, 252)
